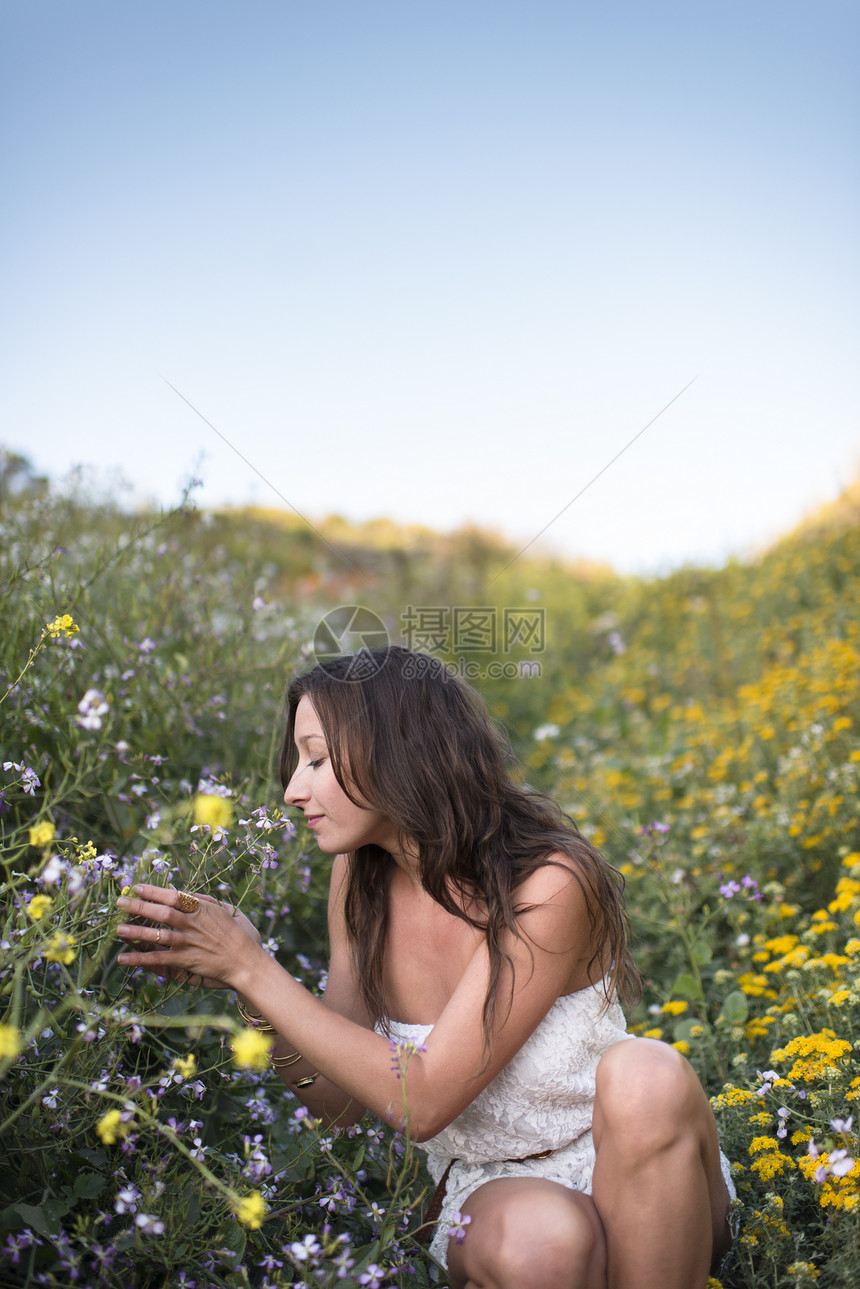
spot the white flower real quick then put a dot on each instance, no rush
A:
(92, 708)
(126, 1200)
(149, 1223)
(840, 1163)
(546, 731)
(52, 872)
(308, 1248)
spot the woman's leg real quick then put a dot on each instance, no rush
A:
(529, 1233)
(657, 1186)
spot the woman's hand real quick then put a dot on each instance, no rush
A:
(206, 946)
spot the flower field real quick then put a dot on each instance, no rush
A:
(702, 728)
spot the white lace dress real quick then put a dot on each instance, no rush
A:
(541, 1100)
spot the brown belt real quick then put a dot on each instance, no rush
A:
(434, 1208)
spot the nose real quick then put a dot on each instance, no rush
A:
(296, 790)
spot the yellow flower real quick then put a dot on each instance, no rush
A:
(185, 1065)
(771, 1164)
(675, 1008)
(839, 997)
(682, 1046)
(250, 1049)
(111, 1127)
(763, 1143)
(10, 1041)
(733, 1096)
(63, 625)
(251, 1210)
(816, 1055)
(61, 949)
(653, 1033)
(42, 834)
(215, 812)
(39, 906)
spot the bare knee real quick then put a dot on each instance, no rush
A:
(648, 1091)
(546, 1246)
(532, 1236)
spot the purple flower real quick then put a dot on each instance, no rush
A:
(457, 1230)
(373, 1276)
(30, 781)
(730, 888)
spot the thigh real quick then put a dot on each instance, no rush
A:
(648, 1096)
(529, 1231)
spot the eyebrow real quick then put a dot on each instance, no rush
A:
(306, 738)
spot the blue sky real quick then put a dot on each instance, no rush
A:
(440, 261)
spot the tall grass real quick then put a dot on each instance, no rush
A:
(702, 728)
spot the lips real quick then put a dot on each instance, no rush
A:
(312, 820)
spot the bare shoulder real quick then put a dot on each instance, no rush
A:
(553, 913)
(556, 882)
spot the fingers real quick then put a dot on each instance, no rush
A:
(158, 937)
(160, 903)
(144, 903)
(157, 960)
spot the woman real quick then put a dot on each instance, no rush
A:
(472, 925)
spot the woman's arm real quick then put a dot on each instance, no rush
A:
(324, 1098)
(333, 1035)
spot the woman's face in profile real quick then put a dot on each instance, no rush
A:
(338, 824)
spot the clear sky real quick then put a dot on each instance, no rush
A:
(441, 259)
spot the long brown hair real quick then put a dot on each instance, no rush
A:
(409, 739)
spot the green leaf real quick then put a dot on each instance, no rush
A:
(358, 1159)
(735, 1008)
(701, 953)
(681, 1032)
(88, 1185)
(47, 1218)
(687, 986)
(232, 1237)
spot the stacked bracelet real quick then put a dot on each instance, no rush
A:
(256, 1019)
(281, 1062)
(307, 1080)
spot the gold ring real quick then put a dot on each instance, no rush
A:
(188, 903)
(158, 936)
